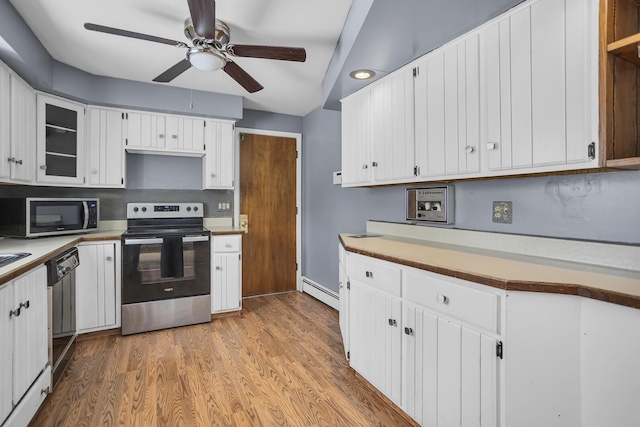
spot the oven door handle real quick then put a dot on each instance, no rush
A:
(189, 239)
(142, 241)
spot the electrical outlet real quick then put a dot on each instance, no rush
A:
(224, 206)
(502, 212)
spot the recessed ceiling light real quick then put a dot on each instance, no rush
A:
(362, 74)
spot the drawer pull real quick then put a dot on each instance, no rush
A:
(408, 331)
(218, 268)
(392, 322)
(227, 245)
(443, 299)
(369, 274)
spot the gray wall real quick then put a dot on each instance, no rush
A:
(599, 207)
(254, 119)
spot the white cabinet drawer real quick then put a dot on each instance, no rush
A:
(227, 243)
(379, 274)
(456, 300)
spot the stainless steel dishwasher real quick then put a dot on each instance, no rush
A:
(61, 299)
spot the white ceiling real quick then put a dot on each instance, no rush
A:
(289, 87)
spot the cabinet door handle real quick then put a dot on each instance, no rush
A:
(11, 159)
(374, 164)
(218, 268)
(469, 149)
(369, 274)
(94, 171)
(174, 136)
(109, 258)
(492, 146)
(443, 299)
(227, 245)
(408, 331)
(25, 305)
(365, 166)
(18, 162)
(161, 135)
(43, 167)
(213, 175)
(15, 312)
(392, 322)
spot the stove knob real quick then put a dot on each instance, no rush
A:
(188, 209)
(144, 209)
(135, 209)
(195, 208)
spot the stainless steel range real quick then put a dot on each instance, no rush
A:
(166, 280)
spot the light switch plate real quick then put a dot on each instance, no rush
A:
(502, 212)
(337, 178)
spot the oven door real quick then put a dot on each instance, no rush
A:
(165, 268)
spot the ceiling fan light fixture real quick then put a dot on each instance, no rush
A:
(206, 59)
(362, 74)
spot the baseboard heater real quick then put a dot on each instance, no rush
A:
(321, 293)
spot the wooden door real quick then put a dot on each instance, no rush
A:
(268, 197)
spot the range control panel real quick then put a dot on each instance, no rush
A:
(164, 210)
(432, 204)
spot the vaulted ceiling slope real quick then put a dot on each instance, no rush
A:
(289, 87)
(382, 35)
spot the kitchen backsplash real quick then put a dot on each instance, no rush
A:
(113, 201)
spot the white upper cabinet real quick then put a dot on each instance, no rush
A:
(218, 161)
(164, 134)
(392, 155)
(105, 148)
(356, 139)
(517, 95)
(447, 110)
(61, 141)
(539, 86)
(22, 133)
(5, 120)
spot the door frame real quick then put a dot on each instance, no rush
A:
(236, 187)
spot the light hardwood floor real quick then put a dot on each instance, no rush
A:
(280, 363)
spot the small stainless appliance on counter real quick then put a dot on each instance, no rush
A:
(61, 299)
(166, 267)
(37, 216)
(430, 204)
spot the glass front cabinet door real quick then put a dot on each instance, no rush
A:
(60, 141)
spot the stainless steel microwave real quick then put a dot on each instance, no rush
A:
(34, 216)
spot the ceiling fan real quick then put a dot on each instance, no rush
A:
(211, 49)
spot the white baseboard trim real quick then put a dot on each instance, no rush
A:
(321, 293)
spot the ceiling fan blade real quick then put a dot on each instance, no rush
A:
(297, 54)
(133, 35)
(173, 72)
(242, 77)
(203, 16)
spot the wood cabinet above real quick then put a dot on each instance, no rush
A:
(619, 77)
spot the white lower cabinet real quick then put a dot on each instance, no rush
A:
(449, 375)
(98, 280)
(428, 342)
(24, 352)
(226, 273)
(375, 319)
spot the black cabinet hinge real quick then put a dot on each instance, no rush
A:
(122, 116)
(499, 349)
(348, 355)
(348, 285)
(591, 151)
(415, 71)
(126, 141)
(121, 180)
(296, 266)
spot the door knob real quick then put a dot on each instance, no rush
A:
(244, 223)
